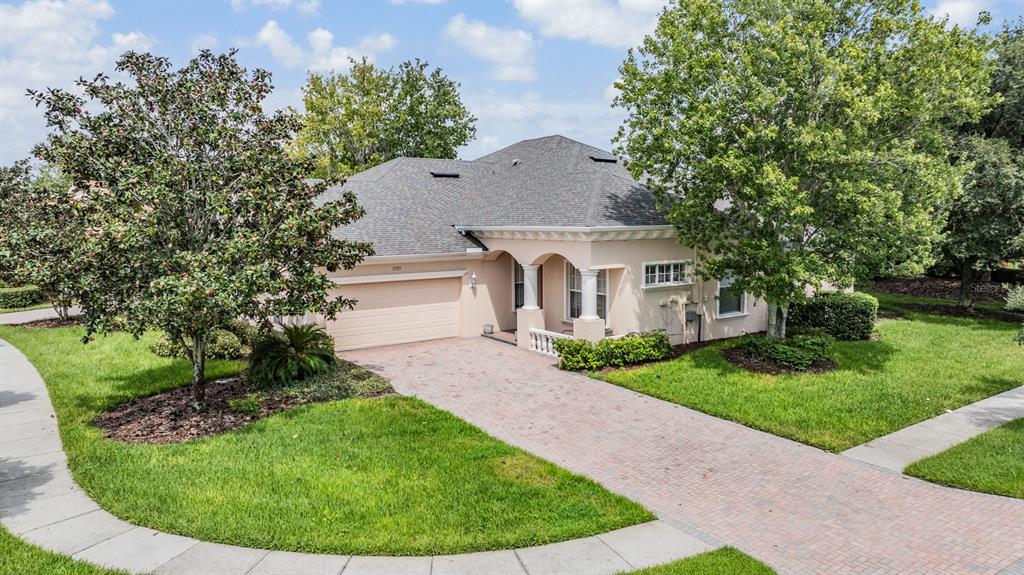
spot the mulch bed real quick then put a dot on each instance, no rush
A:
(743, 359)
(956, 311)
(49, 323)
(938, 288)
(171, 416)
(683, 349)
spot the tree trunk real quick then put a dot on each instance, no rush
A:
(198, 357)
(777, 315)
(967, 277)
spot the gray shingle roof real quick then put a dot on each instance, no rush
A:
(549, 181)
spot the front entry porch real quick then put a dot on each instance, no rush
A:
(581, 304)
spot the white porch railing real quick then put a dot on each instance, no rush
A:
(544, 341)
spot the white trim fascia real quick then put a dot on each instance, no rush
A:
(570, 233)
(443, 257)
(411, 276)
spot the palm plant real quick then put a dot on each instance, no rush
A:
(292, 354)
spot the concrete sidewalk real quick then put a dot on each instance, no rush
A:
(19, 317)
(41, 503)
(901, 448)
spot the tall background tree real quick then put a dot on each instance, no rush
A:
(986, 222)
(368, 116)
(195, 212)
(40, 230)
(791, 142)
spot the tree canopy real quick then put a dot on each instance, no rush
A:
(985, 225)
(800, 142)
(40, 229)
(369, 115)
(196, 214)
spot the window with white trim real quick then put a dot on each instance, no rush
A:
(574, 292)
(518, 285)
(668, 273)
(730, 301)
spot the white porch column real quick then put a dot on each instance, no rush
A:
(530, 286)
(589, 305)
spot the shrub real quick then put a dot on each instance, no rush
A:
(1015, 299)
(1019, 338)
(633, 348)
(292, 354)
(844, 316)
(24, 296)
(799, 352)
(342, 381)
(246, 332)
(580, 354)
(222, 345)
(576, 354)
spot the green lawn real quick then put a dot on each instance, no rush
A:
(20, 558)
(992, 462)
(920, 367)
(388, 476)
(725, 561)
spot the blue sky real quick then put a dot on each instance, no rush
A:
(528, 68)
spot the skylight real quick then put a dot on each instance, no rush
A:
(444, 174)
(604, 160)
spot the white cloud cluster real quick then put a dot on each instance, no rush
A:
(50, 44)
(322, 55)
(303, 6)
(504, 120)
(511, 51)
(619, 24)
(962, 12)
(203, 42)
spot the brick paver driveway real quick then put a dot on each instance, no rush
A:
(800, 509)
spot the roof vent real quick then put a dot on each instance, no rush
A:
(515, 162)
(604, 160)
(444, 174)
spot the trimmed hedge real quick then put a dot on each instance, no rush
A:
(580, 354)
(844, 316)
(15, 297)
(798, 352)
(222, 345)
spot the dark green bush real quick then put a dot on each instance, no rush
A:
(580, 354)
(292, 354)
(798, 352)
(24, 296)
(222, 345)
(844, 316)
(576, 354)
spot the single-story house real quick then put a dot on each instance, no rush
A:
(546, 238)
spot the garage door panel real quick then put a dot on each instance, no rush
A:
(398, 312)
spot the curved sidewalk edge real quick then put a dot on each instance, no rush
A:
(41, 503)
(20, 317)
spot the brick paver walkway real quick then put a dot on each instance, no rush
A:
(802, 510)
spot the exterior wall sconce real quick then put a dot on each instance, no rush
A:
(472, 280)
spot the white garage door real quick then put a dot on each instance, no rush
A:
(398, 312)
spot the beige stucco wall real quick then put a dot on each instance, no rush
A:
(631, 308)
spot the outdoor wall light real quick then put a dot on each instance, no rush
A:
(472, 280)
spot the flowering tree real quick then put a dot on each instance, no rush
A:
(40, 229)
(796, 142)
(195, 213)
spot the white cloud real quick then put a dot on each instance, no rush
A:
(602, 22)
(50, 44)
(504, 120)
(962, 12)
(203, 42)
(303, 6)
(322, 55)
(511, 51)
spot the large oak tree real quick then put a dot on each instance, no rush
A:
(797, 142)
(196, 212)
